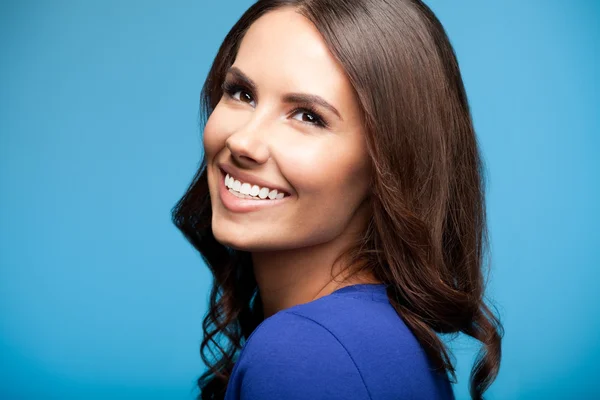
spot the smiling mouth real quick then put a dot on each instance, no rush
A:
(244, 190)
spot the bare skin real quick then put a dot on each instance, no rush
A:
(255, 133)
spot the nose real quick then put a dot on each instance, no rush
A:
(247, 145)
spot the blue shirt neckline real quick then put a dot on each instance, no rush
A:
(375, 291)
(361, 287)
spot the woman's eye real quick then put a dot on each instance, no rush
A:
(308, 117)
(243, 96)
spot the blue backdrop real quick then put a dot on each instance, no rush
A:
(100, 295)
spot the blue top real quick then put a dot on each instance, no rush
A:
(350, 344)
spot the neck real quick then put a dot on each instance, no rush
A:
(290, 277)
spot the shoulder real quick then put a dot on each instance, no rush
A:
(294, 357)
(337, 347)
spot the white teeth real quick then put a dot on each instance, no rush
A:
(248, 191)
(240, 195)
(264, 192)
(245, 189)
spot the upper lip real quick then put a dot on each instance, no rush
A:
(251, 179)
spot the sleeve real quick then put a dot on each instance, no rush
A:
(295, 358)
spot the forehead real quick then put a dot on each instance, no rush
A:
(283, 51)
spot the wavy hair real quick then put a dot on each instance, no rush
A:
(427, 236)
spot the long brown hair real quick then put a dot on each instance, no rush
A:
(427, 236)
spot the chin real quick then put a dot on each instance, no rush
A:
(253, 242)
(248, 246)
(236, 239)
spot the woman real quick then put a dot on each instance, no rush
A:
(339, 206)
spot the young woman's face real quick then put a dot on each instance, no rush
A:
(288, 124)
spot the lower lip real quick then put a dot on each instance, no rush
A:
(238, 205)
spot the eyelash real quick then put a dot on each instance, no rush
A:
(230, 88)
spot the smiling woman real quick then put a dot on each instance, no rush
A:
(339, 206)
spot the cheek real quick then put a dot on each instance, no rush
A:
(215, 132)
(331, 180)
(333, 172)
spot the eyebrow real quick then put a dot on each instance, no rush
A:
(296, 98)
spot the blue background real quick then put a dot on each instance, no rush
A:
(100, 295)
